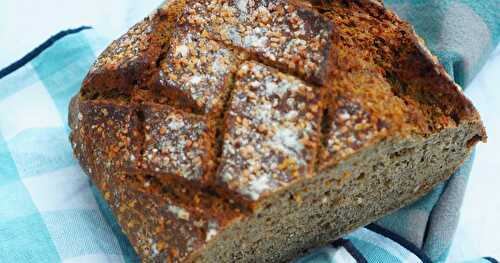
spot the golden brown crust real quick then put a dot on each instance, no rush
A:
(190, 125)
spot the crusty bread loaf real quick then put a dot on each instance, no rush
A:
(253, 130)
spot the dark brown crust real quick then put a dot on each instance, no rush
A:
(132, 59)
(267, 148)
(176, 143)
(281, 33)
(110, 133)
(180, 217)
(437, 85)
(116, 73)
(123, 117)
(198, 70)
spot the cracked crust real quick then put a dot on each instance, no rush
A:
(212, 119)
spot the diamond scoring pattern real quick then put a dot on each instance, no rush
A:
(271, 128)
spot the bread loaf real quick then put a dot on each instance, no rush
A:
(253, 130)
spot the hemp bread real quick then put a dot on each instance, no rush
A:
(254, 130)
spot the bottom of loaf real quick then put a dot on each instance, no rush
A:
(318, 210)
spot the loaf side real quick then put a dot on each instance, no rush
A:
(228, 130)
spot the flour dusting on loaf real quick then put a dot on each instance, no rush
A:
(272, 129)
(254, 130)
(292, 37)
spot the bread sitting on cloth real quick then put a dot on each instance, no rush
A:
(253, 130)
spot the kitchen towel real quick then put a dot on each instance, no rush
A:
(50, 212)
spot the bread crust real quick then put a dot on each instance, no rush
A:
(186, 141)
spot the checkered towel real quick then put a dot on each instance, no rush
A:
(50, 212)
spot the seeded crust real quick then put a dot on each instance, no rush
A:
(271, 132)
(253, 130)
(131, 59)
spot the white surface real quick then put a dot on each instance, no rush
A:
(24, 24)
(69, 190)
(95, 259)
(42, 114)
(478, 233)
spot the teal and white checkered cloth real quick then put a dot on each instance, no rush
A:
(49, 211)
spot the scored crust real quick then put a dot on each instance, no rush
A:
(272, 131)
(176, 143)
(198, 69)
(209, 116)
(286, 34)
